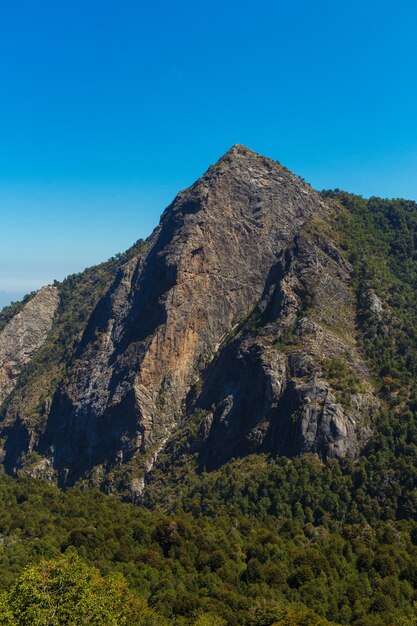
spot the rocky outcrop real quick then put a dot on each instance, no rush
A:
(24, 335)
(241, 293)
(292, 379)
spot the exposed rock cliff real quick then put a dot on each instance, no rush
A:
(24, 335)
(241, 294)
(292, 379)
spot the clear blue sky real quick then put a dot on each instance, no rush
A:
(108, 108)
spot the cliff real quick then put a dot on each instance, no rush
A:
(237, 313)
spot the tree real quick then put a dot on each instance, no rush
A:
(303, 617)
(210, 619)
(265, 612)
(411, 620)
(66, 591)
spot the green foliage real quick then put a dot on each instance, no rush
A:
(263, 533)
(342, 378)
(411, 620)
(303, 617)
(210, 620)
(264, 613)
(68, 592)
(380, 239)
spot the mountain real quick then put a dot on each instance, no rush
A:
(238, 261)
(248, 375)
(198, 320)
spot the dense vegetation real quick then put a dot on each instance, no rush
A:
(219, 568)
(261, 539)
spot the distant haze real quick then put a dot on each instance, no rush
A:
(6, 297)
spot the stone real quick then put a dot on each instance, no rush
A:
(24, 335)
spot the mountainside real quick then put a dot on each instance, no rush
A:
(200, 320)
(249, 376)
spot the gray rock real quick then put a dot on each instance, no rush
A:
(24, 335)
(375, 304)
(233, 290)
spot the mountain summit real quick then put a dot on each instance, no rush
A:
(230, 317)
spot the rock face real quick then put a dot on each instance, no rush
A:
(24, 335)
(230, 272)
(277, 386)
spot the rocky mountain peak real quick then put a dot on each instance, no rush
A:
(234, 245)
(239, 153)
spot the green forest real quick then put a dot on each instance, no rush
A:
(263, 540)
